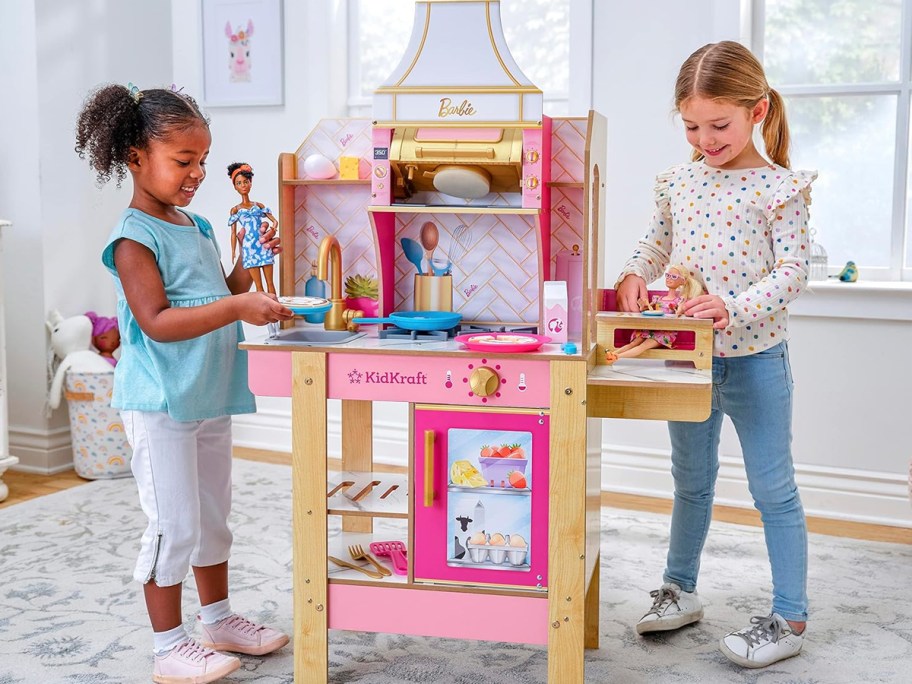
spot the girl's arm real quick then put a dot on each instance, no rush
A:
(145, 295)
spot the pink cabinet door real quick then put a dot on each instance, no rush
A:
(481, 496)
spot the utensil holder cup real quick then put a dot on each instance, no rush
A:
(433, 293)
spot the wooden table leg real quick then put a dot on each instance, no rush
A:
(592, 608)
(567, 523)
(308, 475)
(357, 451)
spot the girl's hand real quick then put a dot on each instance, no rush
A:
(630, 291)
(269, 238)
(707, 306)
(260, 308)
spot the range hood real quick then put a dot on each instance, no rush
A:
(457, 71)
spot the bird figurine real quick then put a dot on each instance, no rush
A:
(848, 274)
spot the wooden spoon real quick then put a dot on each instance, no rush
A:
(429, 236)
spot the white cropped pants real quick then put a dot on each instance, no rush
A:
(183, 474)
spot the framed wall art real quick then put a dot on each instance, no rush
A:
(242, 52)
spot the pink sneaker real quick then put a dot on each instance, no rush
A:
(191, 663)
(239, 635)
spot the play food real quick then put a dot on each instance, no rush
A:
(319, 167)
(465, 474)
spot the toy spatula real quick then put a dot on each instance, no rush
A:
(395, 551)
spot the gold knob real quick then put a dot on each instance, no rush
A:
(532, 156)
(484, 381)
(532, 182)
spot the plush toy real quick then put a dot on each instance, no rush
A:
(105, 336)
(71, 341)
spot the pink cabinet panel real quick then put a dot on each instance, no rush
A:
(481, 497)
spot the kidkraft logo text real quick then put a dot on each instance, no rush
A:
(356, 377)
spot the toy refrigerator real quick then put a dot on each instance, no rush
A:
(481, 499)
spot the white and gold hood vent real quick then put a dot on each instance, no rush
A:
(457, 71)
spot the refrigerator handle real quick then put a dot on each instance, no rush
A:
(428, 468)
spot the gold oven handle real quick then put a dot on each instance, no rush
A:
(455, 152)
(428, 468)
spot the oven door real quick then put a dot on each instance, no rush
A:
(480, 496)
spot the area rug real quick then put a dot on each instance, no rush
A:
(70, 612)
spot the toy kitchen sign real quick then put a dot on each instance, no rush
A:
(430, 88)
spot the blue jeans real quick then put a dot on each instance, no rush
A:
(756, 393)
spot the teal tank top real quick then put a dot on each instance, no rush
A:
(204, 377)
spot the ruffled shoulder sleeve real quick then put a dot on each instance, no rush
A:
(793, 184)
(664, 184)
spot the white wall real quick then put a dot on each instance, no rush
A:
(56, 51)
(850, 446)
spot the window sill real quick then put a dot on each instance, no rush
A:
(891, 301)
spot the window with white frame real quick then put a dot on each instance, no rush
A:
(379, 31)
(845, 70)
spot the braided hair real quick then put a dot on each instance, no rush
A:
(114, 119)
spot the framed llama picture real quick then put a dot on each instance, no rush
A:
(242, 52)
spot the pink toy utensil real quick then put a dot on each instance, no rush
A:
(395, 551)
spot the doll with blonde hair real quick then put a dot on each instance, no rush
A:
(682, 286)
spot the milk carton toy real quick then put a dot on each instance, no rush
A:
(555, 300)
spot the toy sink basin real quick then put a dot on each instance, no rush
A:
(314, 337)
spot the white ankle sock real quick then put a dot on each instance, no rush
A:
(215, 611)
(162, 642)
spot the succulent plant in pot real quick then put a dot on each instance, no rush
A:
(361, 292)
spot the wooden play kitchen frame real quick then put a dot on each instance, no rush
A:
(554, 398)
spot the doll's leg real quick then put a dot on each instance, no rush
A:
(256, 274)
(636, 349)
(613, 355)
(267, 273)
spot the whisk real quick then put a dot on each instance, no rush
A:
(460, 241)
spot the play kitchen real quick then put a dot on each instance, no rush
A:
(466, 232)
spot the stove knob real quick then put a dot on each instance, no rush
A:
(484, 381)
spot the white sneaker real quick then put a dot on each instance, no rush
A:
(769, 639)
(671, 608)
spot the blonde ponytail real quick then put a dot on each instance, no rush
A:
(775, 131)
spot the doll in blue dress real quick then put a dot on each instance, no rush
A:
(246, 221)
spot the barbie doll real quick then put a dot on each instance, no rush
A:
(681, 287)
(256, 258)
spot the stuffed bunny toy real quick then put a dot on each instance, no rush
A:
(71, 341)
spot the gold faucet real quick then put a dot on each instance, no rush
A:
(330, 256)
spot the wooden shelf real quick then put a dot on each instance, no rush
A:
(338, 547)
(377, 495)
(564, 184)
(447, 209)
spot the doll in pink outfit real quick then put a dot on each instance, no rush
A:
(105, 335)
(681, 287)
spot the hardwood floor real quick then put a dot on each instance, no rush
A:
(25, 486)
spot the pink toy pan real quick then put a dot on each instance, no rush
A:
(503, 342)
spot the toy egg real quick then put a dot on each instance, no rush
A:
(497, 539)
(478, 538)
(517, 541)
(318, 166)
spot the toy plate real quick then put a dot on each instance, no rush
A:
(653, 313)
(306, 305)
(503, 342)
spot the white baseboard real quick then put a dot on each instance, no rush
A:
(836, 493)
(44, 452)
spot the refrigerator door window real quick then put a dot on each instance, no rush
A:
(485, 518)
